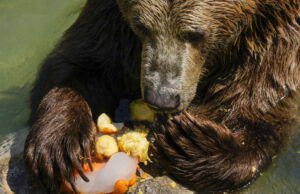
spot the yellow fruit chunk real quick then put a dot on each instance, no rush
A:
(102, 120)
(105, 147)
(173, 184)
(144, 176)
(135, 143)
(105, 125)
(140, 111)
(121, 186)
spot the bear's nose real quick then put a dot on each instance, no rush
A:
(165, 102)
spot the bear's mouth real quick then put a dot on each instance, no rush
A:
(164, 111)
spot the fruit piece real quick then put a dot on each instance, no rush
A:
(132, 181)
(121, 186)
(140, 111)
(103, 119)
(135, 143)
(144, 176)
(105, 147)
(105, 125)
(109, 129)
(170, 117)
(173, 184)
(86, 168)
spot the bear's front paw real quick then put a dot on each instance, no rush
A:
(196, 151)
(52, 156)
(187, 136)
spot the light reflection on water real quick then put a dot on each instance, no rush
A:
(29, 30)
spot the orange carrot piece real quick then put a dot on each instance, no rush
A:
(132, 181)
(96, 167)
(121, 186)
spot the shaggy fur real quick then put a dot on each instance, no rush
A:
(234, 64)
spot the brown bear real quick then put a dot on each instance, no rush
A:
(228, 72)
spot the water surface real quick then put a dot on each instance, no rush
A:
(29, 29)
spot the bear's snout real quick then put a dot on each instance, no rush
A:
(161, 101)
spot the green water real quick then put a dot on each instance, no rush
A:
(29, 30)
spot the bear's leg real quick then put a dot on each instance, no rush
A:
(62, 133)
(207, 156)
(95, 64)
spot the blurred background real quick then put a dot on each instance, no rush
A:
(29, 29)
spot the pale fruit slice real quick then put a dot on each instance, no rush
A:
(139, 111)
(105, 147)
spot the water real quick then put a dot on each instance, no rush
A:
(29, 30)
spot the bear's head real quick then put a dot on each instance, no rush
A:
(179, 39)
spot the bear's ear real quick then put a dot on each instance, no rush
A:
(101, 35)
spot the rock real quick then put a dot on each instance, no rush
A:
(159, 185)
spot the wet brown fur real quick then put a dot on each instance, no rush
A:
(238, 110)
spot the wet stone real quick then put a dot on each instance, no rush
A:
(159, 185)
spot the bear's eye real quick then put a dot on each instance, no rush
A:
(137, 24)
(142, 29)
(192, 37)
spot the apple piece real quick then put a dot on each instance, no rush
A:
(140, 111)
